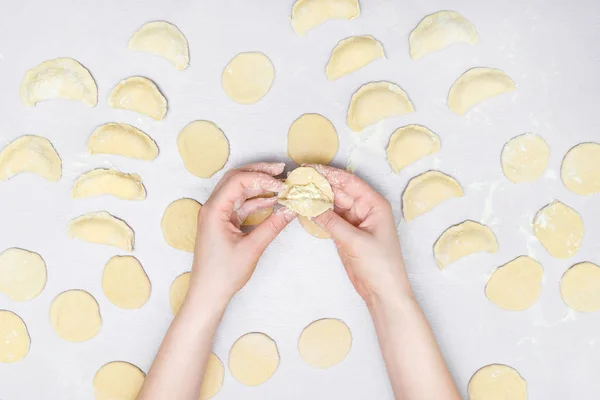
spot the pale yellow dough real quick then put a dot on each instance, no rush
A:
(102, 228)
(179, 224)
(33, 154)
(259, 216)
(307, 192)
(440, 30)
(14, 338)
(463, 239)
(307, 14)
(178, 291)
(213, 377)
(118, 380)
(580, 171)
(426, 191)
(525, 157)
(375, 101)
(351, 54)
(409, 144)
(312, 228)
(203, 148)
(516, 285)
(141, 95)
(248, 77)
(312, 139)
(477, 85)
(580, 287)
(61, 78)
(164, 40)
(253, 359)
(75, 316)
(559, 229)
(125, 282)
(124, 140)
(22, 274)
(109, 181)
(497, 382)
(325, 342)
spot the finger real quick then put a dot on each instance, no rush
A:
(251, 206)
(340, 230)
(343, 180)
(242, 185)
(272, 169)
(264, 233)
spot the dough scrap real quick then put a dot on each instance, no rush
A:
(463, 239)
(248, 77)
(580, 170)
(253, 359)
(312, 139)
(497, 382)
(102, 228)
(75, 316)
(351, 54)
(203, 148)
(118, 380)
(22, 274)
(409, 144)
(559, 229)
(179, 224)
(307, 192)
(307, 14)
(515, 286)
(213, 377)
(312, 228)
(125, 282)
(525, 157)
(63, 78)
(477, 85)
(259, 216)
(325, 342)
(14, 337)
(109, 181)
(440, 30)
(178, 291)
(124, 140)
(30, 153)
(141, 95)
(375, 101)
(164, 40)
(580, 287)
(426, 191)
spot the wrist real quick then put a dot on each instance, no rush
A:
(205, 303)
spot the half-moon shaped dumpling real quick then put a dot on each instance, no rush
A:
(463, 239)
(109, 181)
(141, 95)
(426, 191)
(477, 85)
(124, 140)
(306, 14)
(33, 154)
(352, 54)
(409, 144)
(102, 228)
(163, 39)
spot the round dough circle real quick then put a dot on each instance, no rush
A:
(213, 377)
(325, 342)
(248, 77)
(118, 380)
(580, 171)
(179, 224)
(313, 228)
(497, 382)
(75, 316)
(579, 287)
(203, 147)
(516, 285)
(178, 290)
(125, 282)
(14, 338)
(312, 139)
(307, 192)
(22, 274)
(560, 229)
(525, 157)
(253, 359)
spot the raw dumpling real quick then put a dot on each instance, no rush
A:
(163, 39)
(352, 54)
(477, 85)
(307, 192)
(463, 239)
(33, 154)
(307, 14)
(141, 95)
(124, 140)
(409, 144)
(109, 181)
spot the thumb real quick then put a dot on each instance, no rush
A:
(266, 231)
(340, 230)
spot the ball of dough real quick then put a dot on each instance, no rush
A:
(22, 274)
(312, 139)
(524, 158)
(253, 359)
(75, 316)
(516, 285)
(560, 229)
(125, 282)
(118, 380)
(580, 171)
(248, 77)
(580, 287)
(14, 338)
(307, 192)
(213, 377)
(313, 228)
(178, 290)
(497, 382)
(325, 342)
(179, 224)
(203, 148)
